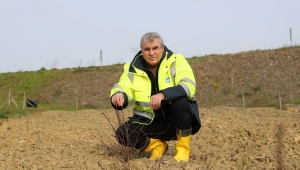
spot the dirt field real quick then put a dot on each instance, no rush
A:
(231, 138)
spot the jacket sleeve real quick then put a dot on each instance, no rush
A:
(124, 86)
(185, 83)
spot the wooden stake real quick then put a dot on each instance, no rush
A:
(76, 102)
(24, 101)
(13, 100)
(9, 99)
(244, 104)
(280, 104)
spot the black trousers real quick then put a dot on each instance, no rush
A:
(134, 134)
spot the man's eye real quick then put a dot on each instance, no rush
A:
(147, 49)
(155, 48)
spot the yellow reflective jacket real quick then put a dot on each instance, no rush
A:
(175, 79)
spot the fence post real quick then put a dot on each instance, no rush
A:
(9, 99)
(76, 96)
(24, 101)
(244, 104)
(76, 102)
(280, 104)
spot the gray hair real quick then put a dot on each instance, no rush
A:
(150, 37)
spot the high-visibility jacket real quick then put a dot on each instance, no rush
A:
(175, 79)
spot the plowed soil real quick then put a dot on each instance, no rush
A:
(230, 138)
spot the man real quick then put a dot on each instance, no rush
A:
(163, 86)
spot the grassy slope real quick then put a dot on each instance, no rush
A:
(258, 78)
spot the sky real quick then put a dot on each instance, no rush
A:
(70, 33)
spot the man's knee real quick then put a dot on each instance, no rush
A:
(129, 135)
(181, 112)
(180, 103)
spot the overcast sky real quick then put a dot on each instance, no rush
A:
(71, 33)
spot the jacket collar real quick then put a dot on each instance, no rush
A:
(138, 60)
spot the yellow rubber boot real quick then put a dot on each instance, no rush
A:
(182, 146)
(157, 147)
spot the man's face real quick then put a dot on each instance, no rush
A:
(152, 52)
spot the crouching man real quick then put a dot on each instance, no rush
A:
(162, 85)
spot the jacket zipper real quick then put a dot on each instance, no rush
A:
(156, 85)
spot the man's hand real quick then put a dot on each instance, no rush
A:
(155, 101)
(118, 99)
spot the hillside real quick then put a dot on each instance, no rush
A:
(254, 137)
(260, 78)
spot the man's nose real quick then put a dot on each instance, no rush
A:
(151, 51)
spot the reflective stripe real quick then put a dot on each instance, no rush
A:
(173, 71)
(131, 77)
(186, 89)
(192, 99)
(144, 114)
(184, 133)
(143, 104)
(117, 86)
(187, 80)
(120, 90)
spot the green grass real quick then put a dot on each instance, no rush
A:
(221, 79)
